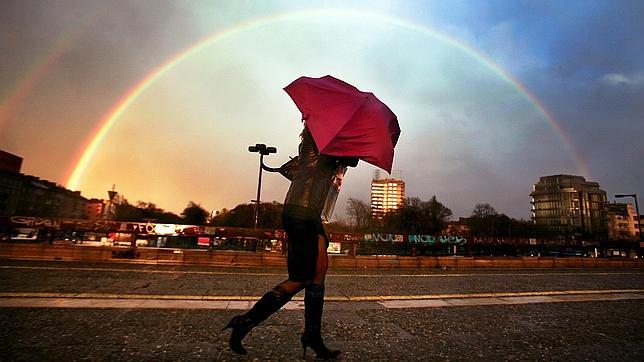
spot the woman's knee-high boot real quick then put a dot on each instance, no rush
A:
(270, 303)
(312, 337)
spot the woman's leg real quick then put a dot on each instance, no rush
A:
(290, 287)
(314, 305)
(302, 265)
(322, 262)
(301, 268)
(270, 303)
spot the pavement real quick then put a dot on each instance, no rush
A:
(105, 311)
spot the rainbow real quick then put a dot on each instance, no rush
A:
(113, 114)
(37, 71)
(40, 68)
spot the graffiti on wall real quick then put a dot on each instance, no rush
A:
(69, 224)
(441, 239)
(395, 238)
(34, 221)
(424, 239)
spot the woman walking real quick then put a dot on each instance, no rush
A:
(311, 175)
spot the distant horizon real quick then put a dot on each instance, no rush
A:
(338, 206)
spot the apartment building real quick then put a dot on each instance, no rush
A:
(387, 194)
(570, 205)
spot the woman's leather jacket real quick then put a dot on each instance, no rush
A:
(311, 174)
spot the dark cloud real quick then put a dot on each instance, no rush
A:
(591, 78)
(599, 38)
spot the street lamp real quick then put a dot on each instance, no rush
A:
(637, 210)
(263, 150)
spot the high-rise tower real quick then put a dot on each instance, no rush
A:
(387, 194)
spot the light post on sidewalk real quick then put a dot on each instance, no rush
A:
(263, 150)
(637, 211)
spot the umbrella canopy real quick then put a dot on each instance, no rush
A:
(345, 121)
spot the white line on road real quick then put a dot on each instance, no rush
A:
(48, 300)
(434, 303)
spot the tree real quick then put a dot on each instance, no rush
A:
(243, 215)
(126, 212)
(168, 217)
(338, 226)
(240, 216)
(270, 215)
(143, 211)
(439, 215)
(416, 216)
(486, 221)
(483, 210)
(359, 213)
(194, 214)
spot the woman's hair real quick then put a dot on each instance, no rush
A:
(305, 130)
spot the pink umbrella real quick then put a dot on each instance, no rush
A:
(346, 122)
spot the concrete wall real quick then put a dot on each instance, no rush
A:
(244, 259)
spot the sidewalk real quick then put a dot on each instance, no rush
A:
(68, 311)
(542, 331)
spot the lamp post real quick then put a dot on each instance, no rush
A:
(637, 210)
(263, 150)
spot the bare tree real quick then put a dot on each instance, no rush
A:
(484, 210)
(359, 213)
(485, 221)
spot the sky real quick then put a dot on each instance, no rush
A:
(161, 99)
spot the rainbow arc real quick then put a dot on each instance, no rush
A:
(116, 111)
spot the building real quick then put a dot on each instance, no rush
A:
(570, 206)
(387, 194)
(623, 223)
(26, 195)
(458, 228)
(10, 162)
(96, 209)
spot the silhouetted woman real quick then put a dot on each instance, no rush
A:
(311, 175)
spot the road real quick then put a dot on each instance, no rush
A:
(119, 311)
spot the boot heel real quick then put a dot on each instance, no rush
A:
(314, 341)
(241, 326)
(306, 343)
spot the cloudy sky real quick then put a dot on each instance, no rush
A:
(162, 98)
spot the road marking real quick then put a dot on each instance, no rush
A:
(493, 295)
(434, 303)
(142, 301)
(405, 275)
(366, 298)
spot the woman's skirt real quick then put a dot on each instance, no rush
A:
(302, 227)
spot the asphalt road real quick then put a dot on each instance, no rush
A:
(83, 311)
